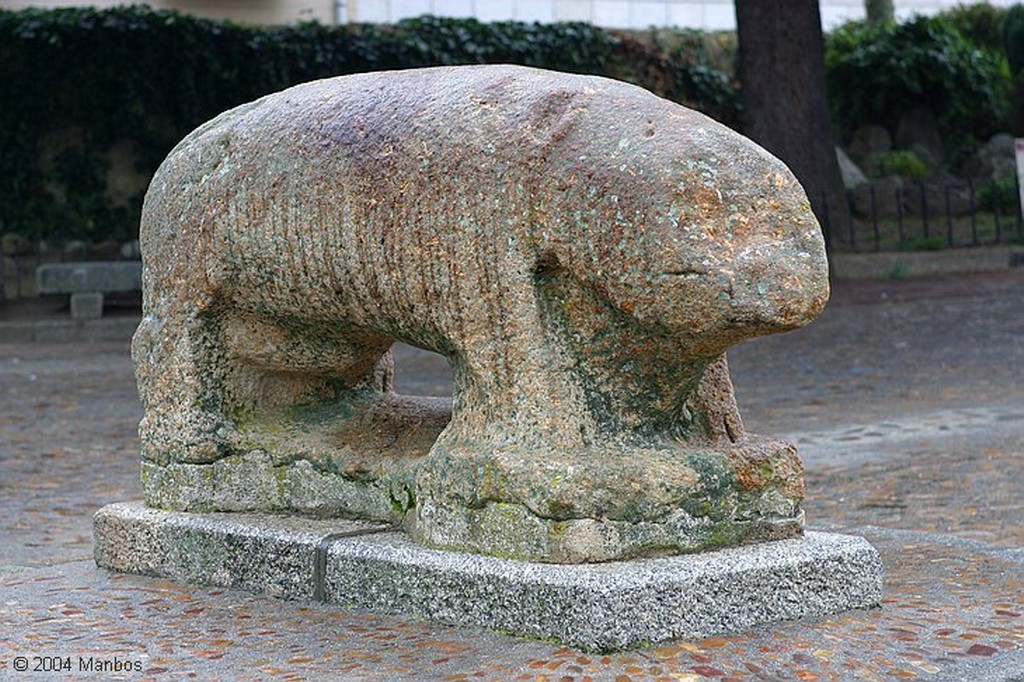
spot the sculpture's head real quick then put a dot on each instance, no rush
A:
(724, 246)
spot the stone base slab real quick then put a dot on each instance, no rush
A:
(599, 607)
(262, 553)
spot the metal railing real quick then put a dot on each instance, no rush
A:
(924, 216)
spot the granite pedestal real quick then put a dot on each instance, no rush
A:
(598, 607)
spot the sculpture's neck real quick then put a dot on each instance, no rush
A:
(637, 383)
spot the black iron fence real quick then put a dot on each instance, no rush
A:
(895, 215)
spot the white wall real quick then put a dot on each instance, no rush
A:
(247, 11)
(707, 14)
(610, 13)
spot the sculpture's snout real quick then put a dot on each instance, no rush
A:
(777, 289)
(731, 275)
(776, 278)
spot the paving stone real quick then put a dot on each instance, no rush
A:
(884, 352)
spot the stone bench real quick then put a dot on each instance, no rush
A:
(87, 283)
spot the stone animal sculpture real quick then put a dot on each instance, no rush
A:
(582, 251)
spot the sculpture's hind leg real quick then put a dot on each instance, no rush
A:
(202, 374)
(176, 361)
(251, 415)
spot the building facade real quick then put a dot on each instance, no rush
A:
(704, 14)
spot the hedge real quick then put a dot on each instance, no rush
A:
(94, 99)
(82, 88)
(876, 74)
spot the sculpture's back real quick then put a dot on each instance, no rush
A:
(583, 253)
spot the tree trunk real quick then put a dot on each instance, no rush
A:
(879, 12)
(785, 110)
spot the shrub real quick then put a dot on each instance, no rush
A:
(875, 74)
(902, 162)
(1016, 124)
(1013, 38)
(574, 46)
(980, 23)
(78, 84)
(689, 66)
(931, 243)
(1001, 195)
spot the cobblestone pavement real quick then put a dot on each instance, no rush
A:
(905, 400)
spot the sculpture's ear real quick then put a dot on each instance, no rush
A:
(552, 116)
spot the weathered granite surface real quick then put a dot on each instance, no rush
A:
(614, 605)
(582, 251)
(264, 553)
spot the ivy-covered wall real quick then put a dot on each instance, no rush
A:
(92, 100)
